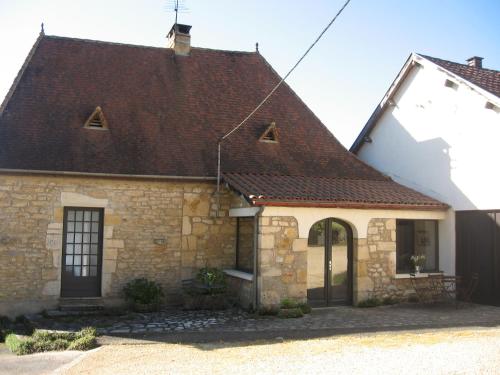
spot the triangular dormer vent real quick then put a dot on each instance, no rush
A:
(96, 120)
(271, 134)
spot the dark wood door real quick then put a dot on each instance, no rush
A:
(82, 252)
(478, 251)
(329, 263)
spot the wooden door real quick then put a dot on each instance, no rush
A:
(478, 251)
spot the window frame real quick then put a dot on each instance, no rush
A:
(436, 249)
(238, 237)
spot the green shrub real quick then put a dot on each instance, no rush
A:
(143, 291)
(370, 302)
(86, 342)
(44, 341)
(211, 281)
(287, 303)
(306, 309)
(18, 346)
(290, 313)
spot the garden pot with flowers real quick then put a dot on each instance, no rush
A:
(418, 262)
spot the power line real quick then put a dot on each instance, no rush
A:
(269, 95)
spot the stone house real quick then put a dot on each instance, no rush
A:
(108, 165)
(436, 131)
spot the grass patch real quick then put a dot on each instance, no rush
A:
(45, 341)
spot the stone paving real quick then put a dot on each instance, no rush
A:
(345, 317)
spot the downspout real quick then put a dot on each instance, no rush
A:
(256, 258)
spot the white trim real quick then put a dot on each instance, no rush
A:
(419, 275)
(243, 212)
(239, 274)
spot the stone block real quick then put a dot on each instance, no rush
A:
(199, 229)
(266, 257)
(270, 271)
(186, 225)
(120, 244)
(110, 219)
(53, 241)
(108, 266)
(196, 204)
(267, 241)
(110, 253)
(362, 253)
(301, 276)
(50, 273)
(386, 246)
(299, 244)
(51, 288)
(108, 231)
(364, 284)
(390, 224)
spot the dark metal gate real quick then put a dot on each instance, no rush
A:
(478, 251)
(82, 252)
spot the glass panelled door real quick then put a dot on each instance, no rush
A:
(329, 266)
(82, 252)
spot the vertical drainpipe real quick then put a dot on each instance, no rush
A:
(256, 258)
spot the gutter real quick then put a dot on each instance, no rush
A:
(382, 206)
(108, 175)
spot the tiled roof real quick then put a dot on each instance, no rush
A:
(339, 192)
(487, 79)
(165, 115)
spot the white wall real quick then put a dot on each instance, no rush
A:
(439, 140)
(442, 142)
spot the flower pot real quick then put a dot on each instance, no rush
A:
(417, 269)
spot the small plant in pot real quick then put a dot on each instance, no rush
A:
(418, 262)
(144, 295)
(207, 291)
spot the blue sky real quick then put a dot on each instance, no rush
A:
(342, 79)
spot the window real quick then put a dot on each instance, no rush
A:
(416, 237)
(271, 134)
(96, 120)
(244, 244)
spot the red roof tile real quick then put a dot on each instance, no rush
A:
(487, 79)
(165, 114)
(340, 192)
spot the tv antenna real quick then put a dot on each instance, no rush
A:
(177, 7)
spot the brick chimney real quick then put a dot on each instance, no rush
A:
(179, 39)
(476, 62)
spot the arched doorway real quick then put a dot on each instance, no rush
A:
(329, 263)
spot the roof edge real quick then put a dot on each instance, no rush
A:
(414, 58)
(354, 205)
(104, 175)
(20, 73)
(377, 113)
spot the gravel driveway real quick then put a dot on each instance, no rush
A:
(445, 351)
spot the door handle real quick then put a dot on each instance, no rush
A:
(330, 265)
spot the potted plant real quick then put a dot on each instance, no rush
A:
(207, 291)
(418, 262)
(144, 295)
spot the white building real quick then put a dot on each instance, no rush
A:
(437, 131)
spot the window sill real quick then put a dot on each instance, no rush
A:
(421, 274)
(239, 274)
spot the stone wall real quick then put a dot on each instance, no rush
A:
(162, 230)
(241, 290)
(282, 260)
(375, 264)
